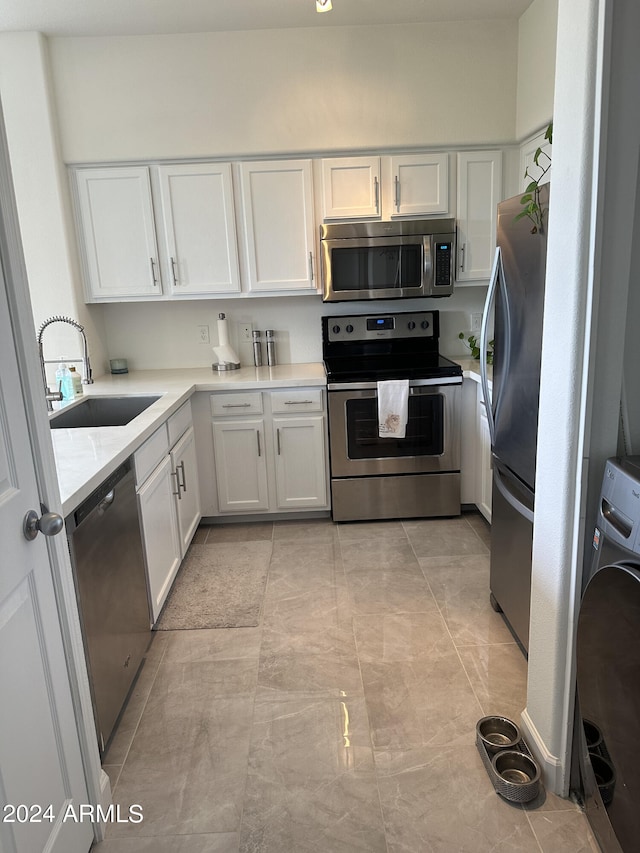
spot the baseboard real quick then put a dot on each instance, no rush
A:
(550, 765)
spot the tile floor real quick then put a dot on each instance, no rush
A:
(346, 720)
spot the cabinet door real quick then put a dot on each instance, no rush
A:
(185, 466)
(160, 533)
(484, 472)
(351, 187)
(479, 191)
(117, 232)
(199, 228)
(420, 184)
(301, 478)
(277, 212)
(241, 468)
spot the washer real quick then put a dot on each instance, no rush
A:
(608, 664)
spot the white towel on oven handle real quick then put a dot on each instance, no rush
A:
(393, 407)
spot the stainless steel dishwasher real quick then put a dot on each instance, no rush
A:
(110, 576)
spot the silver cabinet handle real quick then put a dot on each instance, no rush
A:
(462, 248)
(376, 190)
(397, 188)
(311, 265)
(258, 437)
(236, 405)
(153, 272)
(173, 272)
(278, 440)
(177, 493)
(182, 485)
(297, 402)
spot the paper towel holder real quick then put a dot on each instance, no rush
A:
(224, 350)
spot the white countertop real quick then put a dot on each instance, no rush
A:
(86, 456)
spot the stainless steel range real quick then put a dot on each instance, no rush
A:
(417, 476)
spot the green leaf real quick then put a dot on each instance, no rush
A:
(549, 133)
(520, 215)
(532, 186)
(461, 336)
(526, 198)
(536, 155)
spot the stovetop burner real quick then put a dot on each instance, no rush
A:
(374, 347)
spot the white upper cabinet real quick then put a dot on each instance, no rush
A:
(201, 254)
(118, 238)
(385, 187)
(351, 187)
(277, 214)
(127, 213)
(419, 185)
(479, 192)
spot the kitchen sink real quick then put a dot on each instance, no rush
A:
(102, 412)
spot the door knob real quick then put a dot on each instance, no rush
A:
(49, 523)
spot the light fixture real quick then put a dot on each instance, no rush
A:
(323, 6)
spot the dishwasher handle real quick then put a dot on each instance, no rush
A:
(100, 499)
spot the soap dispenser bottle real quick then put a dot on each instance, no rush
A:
(64, 382)
(76, 381)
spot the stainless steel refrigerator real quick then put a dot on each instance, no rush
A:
(515, 300)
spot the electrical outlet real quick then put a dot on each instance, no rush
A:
(476, 322)
(203, 334)
(245, 332)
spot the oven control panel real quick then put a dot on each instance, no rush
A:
(368, 327)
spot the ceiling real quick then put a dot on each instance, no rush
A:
(139, 17)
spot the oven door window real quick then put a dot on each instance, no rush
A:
(376, 267)
(424, 433)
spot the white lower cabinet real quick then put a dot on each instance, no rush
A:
(169, 501)
(160, 533)
(241, 467)
(274, 459)
(184, 465)
(301, 480)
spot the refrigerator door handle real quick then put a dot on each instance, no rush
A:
(488, 305)
(511, 499)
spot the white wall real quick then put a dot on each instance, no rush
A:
(272, 91)
(42, 197)
(537, 33)
(157, 335)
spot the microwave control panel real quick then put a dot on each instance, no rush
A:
(443, 252)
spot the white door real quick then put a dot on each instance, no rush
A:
(185, 463)
(420, 184)
(200, 229)
(277, 206)
(118, 237)
(479, 191)
(160, 532)
(41, 772)
(241, 467)
(301, 479)
(351, 187)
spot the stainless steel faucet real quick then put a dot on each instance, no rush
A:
(86, 364)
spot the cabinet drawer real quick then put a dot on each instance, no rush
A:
(150, 454)
(242, 403)
(294, 402)
(179, 423)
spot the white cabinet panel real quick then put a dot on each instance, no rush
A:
(118, 237)
(300, 462)
(160, 532)
(241, 469)
(479, 192)
(199, 228)
(420, 184)
(351, 187)
(277, 211)
(184, 464)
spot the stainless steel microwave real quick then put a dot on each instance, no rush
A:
(387, 260)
